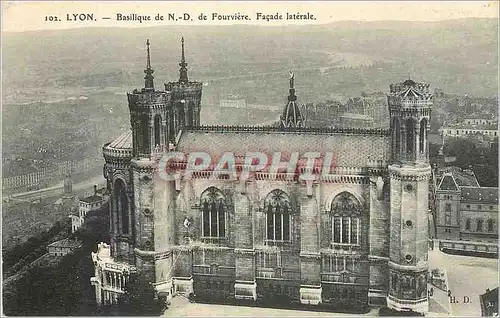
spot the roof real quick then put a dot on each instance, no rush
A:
(484, 195)
(121, 147)
(351, 147)
(460, 177)
(92, 199)
(122, 142)
(410, 91)
(356, 116)
(448, 183)
(489, 299)
(66, 243)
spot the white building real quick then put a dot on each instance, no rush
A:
(110, 276)
(480, 121)
(462, 132)
(63, 247)
(85, 205)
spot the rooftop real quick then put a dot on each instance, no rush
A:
(92, 199)
(356, 116)
(460, 177)
(484, 195)
(122, 142)
(66, 243)
(374, 144)
(448, 183)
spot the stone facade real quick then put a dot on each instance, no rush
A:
(355, 235)
(464, 210)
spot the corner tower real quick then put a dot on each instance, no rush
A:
(185, 100)
(149, 110)
(410, 106)
(148, 116)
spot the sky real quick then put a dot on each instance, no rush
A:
(20, 16)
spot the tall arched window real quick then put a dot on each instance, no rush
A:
(121, 201)
(182, 114)
(346, 220)
(157, 130)
(479, 225)
(190, 114)
(277, 207)
(213, 205)
(422, 136)
(410, 136)
(171, 125)
(467, 224)
(491, 224)
(145, 133)
(396, 136)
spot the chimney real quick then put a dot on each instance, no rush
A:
(95, 189)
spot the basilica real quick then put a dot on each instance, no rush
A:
(356, 235)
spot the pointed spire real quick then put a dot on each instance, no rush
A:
(291, 96)
(291, 115)
(183, 77)
(148, 79)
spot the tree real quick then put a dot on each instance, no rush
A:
(470, 154)
(140, 298)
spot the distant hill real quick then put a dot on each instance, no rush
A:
(53, 70)
(459, 56)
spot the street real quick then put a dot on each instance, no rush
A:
(181, 307)
(468, 277)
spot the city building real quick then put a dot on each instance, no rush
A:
(489, 303)
(472, 126)
(63, 247)
(233, 102)
(480, 121)
(110, 276)
(87, 204)
(464, 210)
(355, 234)
(356, 120)
(464, 131)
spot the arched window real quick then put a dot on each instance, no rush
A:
(467, 224)
(479, 225)
(410, 136)
(190, 114)
(277, 207)
(182, 119)
(171, 125)
(121, 203)
(447, 207)
(213, 205)
(346, 220)
(491, 224)
(157, 130)
(145, 133)
(423, 136)
(396, 136)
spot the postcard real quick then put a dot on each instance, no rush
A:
(250, 158)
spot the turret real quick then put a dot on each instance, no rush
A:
(410, 109)
(291, 115)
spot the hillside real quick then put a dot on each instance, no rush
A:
(74, 81)
(457, 56)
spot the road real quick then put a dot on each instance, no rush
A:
(181, 307)
(58, 189)
(467, 277)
